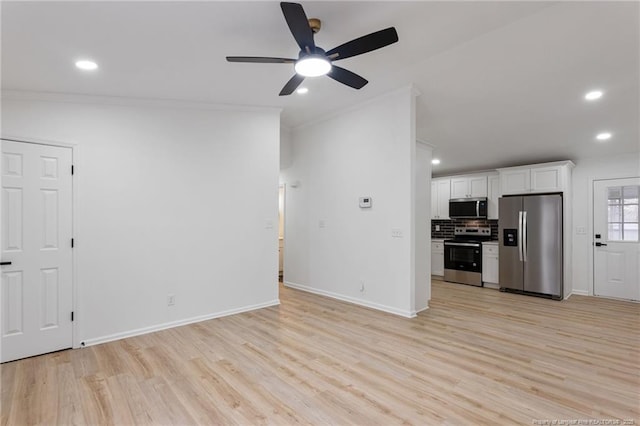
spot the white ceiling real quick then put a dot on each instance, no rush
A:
(501, 83)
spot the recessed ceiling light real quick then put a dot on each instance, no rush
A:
(86, 65)
(603, 136)
(593, 95)
(302, 90)
(435, 161)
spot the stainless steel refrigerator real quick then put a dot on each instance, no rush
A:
(530, 234)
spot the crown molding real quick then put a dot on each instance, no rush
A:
(22, 96)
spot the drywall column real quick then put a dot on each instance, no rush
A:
(334, 246)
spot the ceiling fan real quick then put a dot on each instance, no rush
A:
(314, 61)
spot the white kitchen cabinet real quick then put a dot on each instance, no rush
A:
(472, 186)
(437, 258)
(493, 199)
(490, 265)
(536, 178)
(440, 194)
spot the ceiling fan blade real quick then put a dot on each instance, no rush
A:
(364, 44)
(260, 60)
(291, 85)
(299, 26)
(347, 77)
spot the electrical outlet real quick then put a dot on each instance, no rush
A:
(268, 224)
(322, 224)
(581, 230)
(437, 227)
(171, 300)
(396, 233)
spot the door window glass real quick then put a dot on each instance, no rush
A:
(622, 214)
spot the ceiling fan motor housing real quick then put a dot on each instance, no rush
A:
(319, 52)
(315, 24)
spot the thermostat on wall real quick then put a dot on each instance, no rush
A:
(365, 202)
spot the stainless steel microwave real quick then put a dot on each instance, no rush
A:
(468, 208)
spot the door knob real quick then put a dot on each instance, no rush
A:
(600, 244)
(5, 263)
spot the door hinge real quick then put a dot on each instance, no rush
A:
(72, 243)
(72, 315)
(72, 169)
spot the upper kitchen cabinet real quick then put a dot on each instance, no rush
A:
(471, 186)
(440, 194)
(493, 183)
(535, 178)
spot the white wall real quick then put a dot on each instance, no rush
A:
(585, 172)
(171, 198)
(332, 246)
(286, 150)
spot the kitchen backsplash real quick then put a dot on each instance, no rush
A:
(446, 227)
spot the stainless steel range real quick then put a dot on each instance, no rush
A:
(463, 255)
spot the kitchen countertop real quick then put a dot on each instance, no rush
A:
(437, 240)
(492, 242)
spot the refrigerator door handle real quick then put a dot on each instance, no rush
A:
(524, 235)
(520, 235)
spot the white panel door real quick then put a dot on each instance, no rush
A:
(616, 248)
(36, 296)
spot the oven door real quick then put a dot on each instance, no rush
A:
(463, 257)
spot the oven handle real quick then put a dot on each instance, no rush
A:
(520, 235)
(462, 244)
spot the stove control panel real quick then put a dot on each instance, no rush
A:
(480, 231)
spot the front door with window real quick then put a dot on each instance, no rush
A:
(616, 246)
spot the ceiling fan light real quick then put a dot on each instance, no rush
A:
(313, 66)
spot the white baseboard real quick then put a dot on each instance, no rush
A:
(423, 309)
(379, 307)
(579, 293)
(172, 324)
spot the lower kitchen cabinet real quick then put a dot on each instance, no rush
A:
(437, 258)
(490, 266)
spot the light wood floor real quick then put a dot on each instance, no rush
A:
(477, 356)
